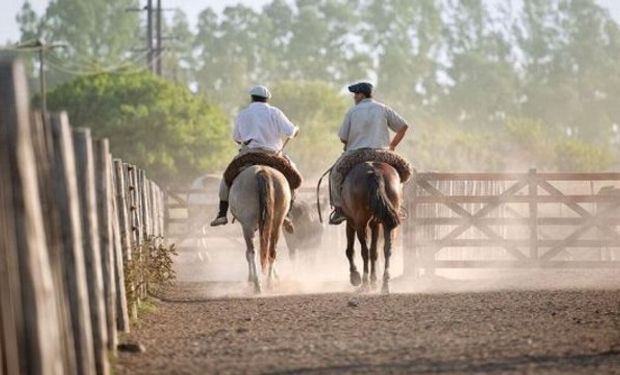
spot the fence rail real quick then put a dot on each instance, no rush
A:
(71, 218)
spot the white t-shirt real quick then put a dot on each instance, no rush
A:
(367, 125)
(263, 125)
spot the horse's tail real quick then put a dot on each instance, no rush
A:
(265, 215)
(382, 209)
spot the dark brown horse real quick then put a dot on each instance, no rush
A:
(372, 196)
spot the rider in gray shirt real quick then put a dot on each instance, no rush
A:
(366, 125)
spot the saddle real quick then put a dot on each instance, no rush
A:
(402, 166)
(275, 161)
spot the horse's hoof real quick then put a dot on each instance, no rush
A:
(257, 289)
(355, 278)
(385, 289)
(365, 288)
(373, 282)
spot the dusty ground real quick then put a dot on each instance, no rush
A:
(536, 331)
(462, 322)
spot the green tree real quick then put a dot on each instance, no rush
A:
(229, 54)
(177, 59)
(158, 125)
(100, 31)
(484, 83)
(318, 110)
(404, 38)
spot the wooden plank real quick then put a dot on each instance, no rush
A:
(480, 213)
(124, 234)
(142, 235)
(526, 264)
(508, 221)
(580, 210)
(67, 198)
(146, 205)
(85, 173)
(28, 307)
(410, 268)
(573, 237)
(122, 314)
(104, 199)
(432, 176)
(533, 210)
(568, 199)
(177, 197)
(487, 242)
(43, 147)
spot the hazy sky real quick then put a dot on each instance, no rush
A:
(9, 8)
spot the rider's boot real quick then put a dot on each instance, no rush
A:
(337, 216)
(221, 216)
(288, 220)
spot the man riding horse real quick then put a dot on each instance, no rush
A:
(365, 126)
(259, 128)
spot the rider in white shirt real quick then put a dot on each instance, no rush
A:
(258, 128)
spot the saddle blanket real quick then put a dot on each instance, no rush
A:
(402, 166)
(272, 160)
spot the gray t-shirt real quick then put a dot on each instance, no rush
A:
(366, 125)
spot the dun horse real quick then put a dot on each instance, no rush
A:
(371, 195)
(259, 200)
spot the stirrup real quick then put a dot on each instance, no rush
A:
(336, 217)
(220, 220)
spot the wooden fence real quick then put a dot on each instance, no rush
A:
(71, 219)
(520, 220)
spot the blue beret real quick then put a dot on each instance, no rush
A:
(361, 88)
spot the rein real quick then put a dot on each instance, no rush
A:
(318, 188)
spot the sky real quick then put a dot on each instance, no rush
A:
(9, 30)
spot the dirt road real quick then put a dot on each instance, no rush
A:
(536, 331)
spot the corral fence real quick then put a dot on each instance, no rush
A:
(189, 211)
(497, 220)
(71, 219)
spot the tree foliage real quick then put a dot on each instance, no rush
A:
(317, 109)
(158, 125)
(469, 75)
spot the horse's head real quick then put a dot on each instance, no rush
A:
(308, 231)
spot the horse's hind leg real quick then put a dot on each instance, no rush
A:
(250, 256)
(361, 236)
(274, 236)
(354, 275)
(387, 251)
(374, 238)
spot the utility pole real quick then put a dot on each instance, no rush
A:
(42, 47)
(158, 46)
(149, 34)
(153, 52)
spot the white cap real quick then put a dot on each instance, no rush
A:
(261, 91)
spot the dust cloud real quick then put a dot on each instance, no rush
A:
(219, 270)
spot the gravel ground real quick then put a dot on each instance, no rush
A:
(424, 332)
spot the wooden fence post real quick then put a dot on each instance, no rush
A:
(85, 168)
(66, 196)
(28, 307)
(125, 237)
(103, 183)
(533, 217)
(410, 257)
(42, 141)
(145, 212)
